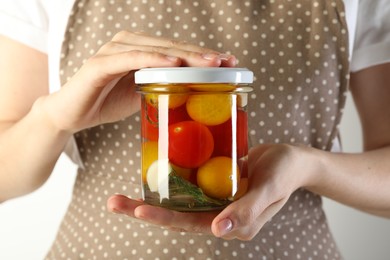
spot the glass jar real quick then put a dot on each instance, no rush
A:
(194, 130)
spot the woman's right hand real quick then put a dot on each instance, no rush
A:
(103, 90)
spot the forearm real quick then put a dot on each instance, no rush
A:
(29, 150)
(359, 180)
(95, 95)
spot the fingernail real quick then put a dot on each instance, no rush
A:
(225, 226)
(224, 56)
(228, 57)
(172, 58)
(115, 210)
(209, 56)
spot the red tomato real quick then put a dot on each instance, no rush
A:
(150, 119)
(178, 114)
(149, 122)
(222, 134)
(190, 144)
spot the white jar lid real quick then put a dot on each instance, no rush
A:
(194, 75)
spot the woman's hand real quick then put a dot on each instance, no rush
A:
(275, 172)
(103, 89)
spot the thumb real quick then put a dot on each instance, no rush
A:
(244, 219)
(239, 219)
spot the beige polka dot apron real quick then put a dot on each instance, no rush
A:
(298, 52)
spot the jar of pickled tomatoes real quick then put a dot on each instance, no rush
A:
(194, 130)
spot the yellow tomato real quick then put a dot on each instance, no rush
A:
(177, 95)
(209, 109)
(215, 177)
(149, 155)
(174, 100)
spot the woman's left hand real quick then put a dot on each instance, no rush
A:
(275, 172)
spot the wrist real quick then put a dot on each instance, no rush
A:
(46, 118)
(314, 167)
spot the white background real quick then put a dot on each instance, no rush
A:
(28, 224)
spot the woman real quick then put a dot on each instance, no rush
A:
(299, 53)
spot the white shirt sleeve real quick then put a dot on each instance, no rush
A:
(25, 21)
(372, 41)
(40, 24)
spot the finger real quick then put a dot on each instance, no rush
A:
(257, 151)
(199, 222)
(244, 218)
(122, 205)
(100, 70)
(248, 232)
(237, 217)
(189, 58)
(142, 39)
(242, 215)
(121, 101)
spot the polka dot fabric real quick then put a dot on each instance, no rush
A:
(298, 52)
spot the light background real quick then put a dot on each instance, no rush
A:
(28, 224)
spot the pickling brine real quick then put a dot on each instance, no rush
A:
(194, 130)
